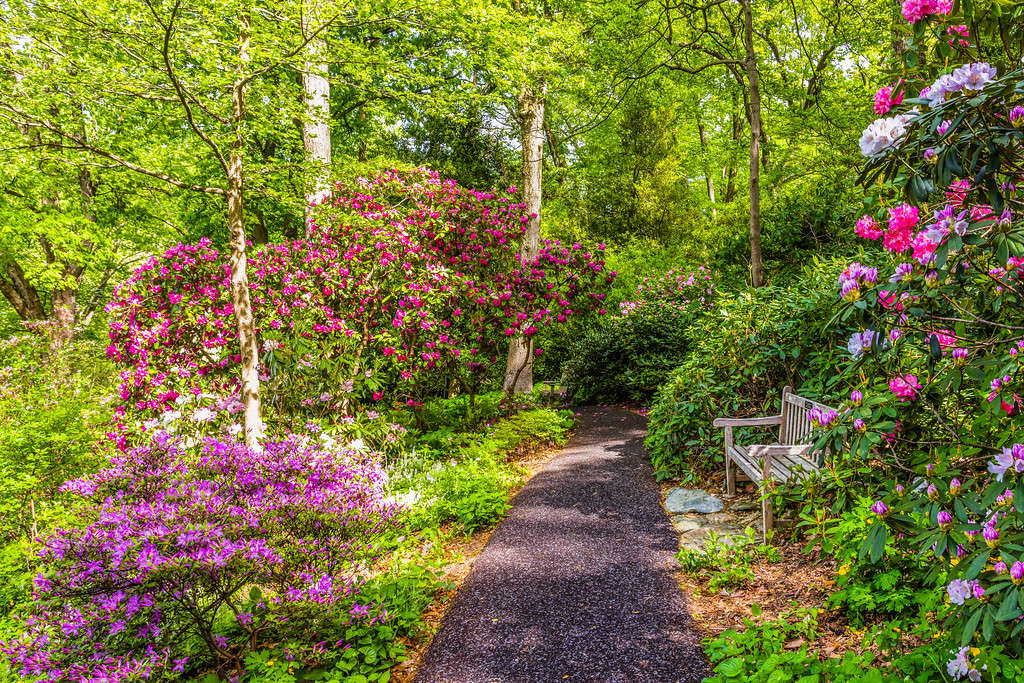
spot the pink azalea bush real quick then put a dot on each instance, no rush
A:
(677, 287)
(406, 284)
(196, 554)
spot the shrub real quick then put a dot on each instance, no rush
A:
(195, 555)
(938, 347)
(407, 286)
(739, 358)
(628, 356)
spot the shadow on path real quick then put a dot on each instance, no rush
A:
(577, 583)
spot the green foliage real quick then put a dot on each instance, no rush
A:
(52, 414)
(628, 357)
(740, 356)
(465, 477)
(726, 562)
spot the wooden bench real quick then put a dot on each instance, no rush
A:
(792, 457)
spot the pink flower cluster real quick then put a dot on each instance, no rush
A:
(905, 386)
(885, 100)
(915, 10)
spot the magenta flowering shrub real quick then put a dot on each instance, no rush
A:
(937, 354)
(194, 555)
(676, 288)
(406, 285)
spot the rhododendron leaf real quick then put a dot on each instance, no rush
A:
(976, 566)
(1008, 609)
(988, 623)
(1002, 253)
(934, 347)
(970, 627)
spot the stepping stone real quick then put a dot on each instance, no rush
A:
(681, 500)
(684, 523)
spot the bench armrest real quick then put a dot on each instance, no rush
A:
(747, 421)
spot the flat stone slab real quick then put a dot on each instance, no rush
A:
(680, 500)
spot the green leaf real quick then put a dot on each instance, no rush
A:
(976, 566)
(731, 668)
(1008, 608)
(970, 627)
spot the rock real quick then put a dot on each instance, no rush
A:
(681, 500)
(745, 506)
(684, 523)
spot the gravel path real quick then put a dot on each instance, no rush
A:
(577, 583)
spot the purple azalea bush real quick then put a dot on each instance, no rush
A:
(195, 552)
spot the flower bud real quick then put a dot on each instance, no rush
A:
(1017, 117)
(933, 493)
(959, 356)
(954, 487)
(1000, 568)
(945, 520)
(991, 536)
(979, 592)
(859, 425)
(880, 508)
(856, 397)
(930, 469)
(1017, 573)
(931, 278)
(900, 491)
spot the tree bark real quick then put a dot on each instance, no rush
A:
(710, 181)
(240, 300)
(20, 293)
(756, 275)
(316, 129)
(519, 367)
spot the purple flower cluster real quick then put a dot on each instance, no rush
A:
(853, 278)
(1011, 459)
(967, 78)
(860, 342)
(179, 534)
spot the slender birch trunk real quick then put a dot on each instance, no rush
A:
(239, 277)
(316, 128)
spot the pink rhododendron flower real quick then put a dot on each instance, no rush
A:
(902, 221)
(868, 228)
(905, 386)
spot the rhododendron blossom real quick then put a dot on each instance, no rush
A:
(906, 387)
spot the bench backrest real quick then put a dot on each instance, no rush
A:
(795, 428)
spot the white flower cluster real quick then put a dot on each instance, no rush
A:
(883, 133)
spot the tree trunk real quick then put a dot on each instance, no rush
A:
(729, 173)
(316, 128)
(519, 368)
(710, 181)
(22, 296)
(240, 300)
(756, 276)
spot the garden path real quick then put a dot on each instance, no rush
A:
(577, 583)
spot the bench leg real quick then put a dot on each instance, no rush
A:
(767, 515)
(767, 518)
(730, 466)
